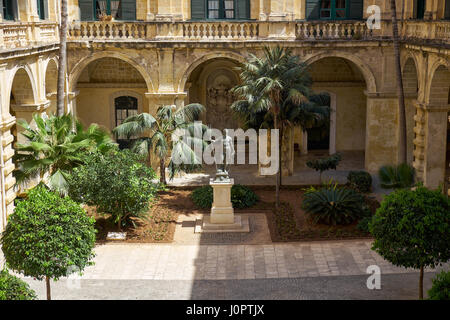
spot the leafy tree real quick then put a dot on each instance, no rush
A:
(325, 164)
(412, 229)
(118, 183)
(48, 237)
(13, 288)
(156, 133)
(275, 91)
(56, 145)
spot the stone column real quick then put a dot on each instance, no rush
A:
(430, 143)
(381, 131)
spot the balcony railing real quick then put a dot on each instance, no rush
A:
(16, 35)
(27, 34)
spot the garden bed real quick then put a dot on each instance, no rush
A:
(291, 224)
(159, 224)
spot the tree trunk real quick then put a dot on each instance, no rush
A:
(400, 93)
(277, 185)
(62, 62)
(421, 284)
(280, 157)
(47, 284)
(162, 171)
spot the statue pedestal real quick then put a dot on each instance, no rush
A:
(222, 217)
(222, 209)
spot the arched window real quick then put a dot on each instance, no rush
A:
(106, 9)
(124, 107)
(420, 9)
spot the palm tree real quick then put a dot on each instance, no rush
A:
(275, 91)
(56, 146)
(400, 92)
(62, 60)
(156, 133)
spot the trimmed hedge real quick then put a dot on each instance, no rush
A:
(241, 197)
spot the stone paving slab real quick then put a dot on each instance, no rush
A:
(232, 262)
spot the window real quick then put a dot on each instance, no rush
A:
(42, 9)
(99, 9)
(108, 8)
(124, 107)
(221, 9)
(9, 9)
(333, 9)
(420, 7)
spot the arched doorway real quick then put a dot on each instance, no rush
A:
(21, 99)
(110, 89)
(210, 84)
(346, 130)
(51, 84)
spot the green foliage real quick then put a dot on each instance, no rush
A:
(361, 181)
(363, 224)
(412, 228)
(332, 205)
(325, 164)
(401, 176)
(118, 183)
(48, 236)
(13, 288)
(56, 144)
(157, 133)
(241, 197)
(441, 287)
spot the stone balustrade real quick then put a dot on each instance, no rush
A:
(431, 30)
(17, 35)
(26, 34)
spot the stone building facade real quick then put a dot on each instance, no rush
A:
(127, 56)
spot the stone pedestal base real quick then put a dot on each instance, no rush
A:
(222, 209)
(240, 224)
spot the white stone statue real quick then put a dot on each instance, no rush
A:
(226, 158)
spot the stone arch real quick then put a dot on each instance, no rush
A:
(438, 91)
(210, 84)
(81, 65)
(186, 73)
(23, 86)
(410, 75)
(362, 66)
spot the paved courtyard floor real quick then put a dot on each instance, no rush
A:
(315, 270)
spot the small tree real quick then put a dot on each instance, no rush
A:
(48, 237)
(412, 229)
(325, 164)
(118, 183)
(13, 288)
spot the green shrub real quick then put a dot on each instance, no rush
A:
(13, 288)
(363, 224)
(441, 287)
(48, 237)
(241, 197)
(412, 228)
(118, 183)
(401, 176)
(361, 181)
(333, 205)
(203, 197)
